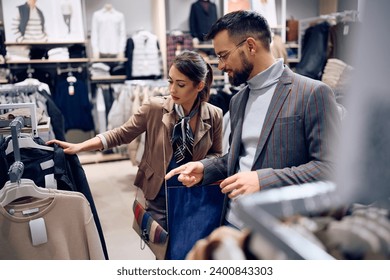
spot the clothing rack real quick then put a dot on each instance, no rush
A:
(69, 69)
(154, 83)
(345, 16)
(12, 89)
(16, 169)
(31, 106)
(262, 213)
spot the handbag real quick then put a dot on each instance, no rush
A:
(151, 232)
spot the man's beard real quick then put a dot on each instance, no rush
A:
(241, 76)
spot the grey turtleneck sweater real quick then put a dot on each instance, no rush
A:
(261, 89)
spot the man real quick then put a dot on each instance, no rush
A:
(30, 22)
(282, 123)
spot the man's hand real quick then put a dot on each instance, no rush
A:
(190, 173)
(241, 183)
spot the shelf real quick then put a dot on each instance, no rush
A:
(47, 61)
(59, 43)
(292, 45)
(203, 46)
(93, 60)
(109, 78)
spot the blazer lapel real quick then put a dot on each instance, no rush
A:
(281, 92)
(236, 118)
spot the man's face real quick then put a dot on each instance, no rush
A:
(232, 58)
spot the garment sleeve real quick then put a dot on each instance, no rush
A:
(134, 127)
(95, 34)
(122, 34)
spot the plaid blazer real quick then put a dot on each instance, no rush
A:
(296, 140)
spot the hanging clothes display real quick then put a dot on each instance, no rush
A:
(58, 227)
(26, 162)
(129, 98)
(32, 90)
(144, 59)
(175, 40)
(314, 51)
(108, 32)
(203, 14)
(76, 107)
(50, 169)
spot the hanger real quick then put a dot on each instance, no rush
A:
(26, 141)
(23, 188)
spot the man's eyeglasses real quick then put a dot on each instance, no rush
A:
(223, 57)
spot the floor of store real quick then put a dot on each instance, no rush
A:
(111, 184)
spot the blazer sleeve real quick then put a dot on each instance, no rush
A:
(215, 169)
(130, 130)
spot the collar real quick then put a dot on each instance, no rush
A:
(268, 77)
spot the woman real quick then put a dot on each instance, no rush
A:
(179, 128)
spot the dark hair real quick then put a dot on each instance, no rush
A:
(242, 24)
(193, 65)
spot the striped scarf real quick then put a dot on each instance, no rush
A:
(182, 135)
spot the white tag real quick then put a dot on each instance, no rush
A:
(50, 181)
(71, 90)
(346, 30)
(38, 231)
(30, 211)
(47, 164)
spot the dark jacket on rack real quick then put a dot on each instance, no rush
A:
(314, 51)
(51, 169)
(202, 15)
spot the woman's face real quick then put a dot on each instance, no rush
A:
(182, 89)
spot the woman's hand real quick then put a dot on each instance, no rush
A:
(69, 148)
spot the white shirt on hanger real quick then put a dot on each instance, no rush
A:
(108, 32)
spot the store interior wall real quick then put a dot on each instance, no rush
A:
(177, 11)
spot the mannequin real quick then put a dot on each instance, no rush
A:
(66, 10)
(203, 14)
(108, 33)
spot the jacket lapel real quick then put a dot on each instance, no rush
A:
(203, 126)
(282, 90)
(168, 118)
(236, 118)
